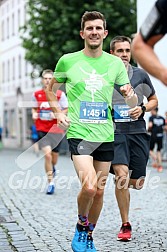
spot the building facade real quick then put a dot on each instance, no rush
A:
(16, 83)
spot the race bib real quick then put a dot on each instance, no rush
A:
(93, 112)
(121, 113)
(45, 115)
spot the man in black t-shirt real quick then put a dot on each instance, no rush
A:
(152, 30)
(131, 145)
(156, 127)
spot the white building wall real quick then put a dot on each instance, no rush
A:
(143, 8)
(15, 75)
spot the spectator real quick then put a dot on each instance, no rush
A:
(0, 133)
(155, 127)
(164, 153)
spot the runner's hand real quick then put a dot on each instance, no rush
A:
(127, 91)
(63, 121)
(34, 115)
(129, 95)
(135, 112)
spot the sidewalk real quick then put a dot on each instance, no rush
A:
(32, 221)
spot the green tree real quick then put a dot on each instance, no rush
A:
(53, 26)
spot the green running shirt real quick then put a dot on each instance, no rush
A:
(89, 87)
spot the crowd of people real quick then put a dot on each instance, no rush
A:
(102, 116)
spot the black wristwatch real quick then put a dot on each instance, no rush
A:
(143, 109)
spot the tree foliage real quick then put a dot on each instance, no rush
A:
(53, 26)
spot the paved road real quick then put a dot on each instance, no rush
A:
(32, 221)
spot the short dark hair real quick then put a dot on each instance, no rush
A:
(92, 15)
(119, 39)
(46, 71)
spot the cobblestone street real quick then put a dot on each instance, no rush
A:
(32, 221)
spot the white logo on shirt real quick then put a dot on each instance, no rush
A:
(94, 82)
(44, 105)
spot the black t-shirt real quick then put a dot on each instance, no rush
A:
(162, 7)
(162, 4)
(158, 123)
(156, 21)
(141, 82)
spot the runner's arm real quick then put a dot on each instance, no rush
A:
(50, 91)
(52, 87)
(34, 113)
(144, 54)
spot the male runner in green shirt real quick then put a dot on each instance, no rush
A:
(90, 75)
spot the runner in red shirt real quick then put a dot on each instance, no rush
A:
(50, 135)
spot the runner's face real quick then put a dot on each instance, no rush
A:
(122, 50)
(46, 79)
(93, 33)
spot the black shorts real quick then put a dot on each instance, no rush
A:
(156, 141)
(99, 151)
(133, 151)
(34, 140)
(50, 139)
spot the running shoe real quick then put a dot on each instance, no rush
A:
(79, 241)
(160, 169)
(125, 232)
(90, 247)
(51, 189)
(54, 171)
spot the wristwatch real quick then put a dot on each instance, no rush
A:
(143, 109)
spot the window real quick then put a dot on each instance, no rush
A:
(26, 68)
(3, 31)
(14, 69)
(25, 13)
(12, 123)
(18, 20)
(19, 70)
(6, 121)
(7, 28)
(8, 71)
(13, 24)
(3, 72)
